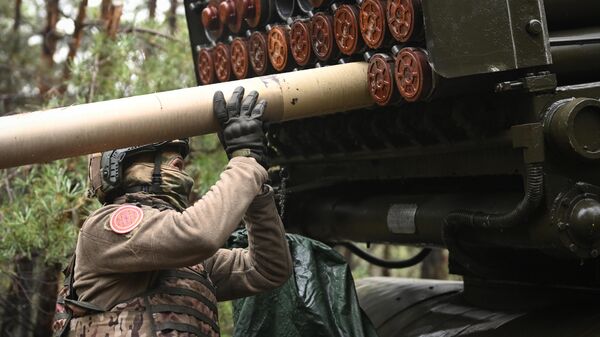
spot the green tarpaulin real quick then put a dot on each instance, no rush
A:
(318, 300)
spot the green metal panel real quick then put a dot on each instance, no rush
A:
(468, 37)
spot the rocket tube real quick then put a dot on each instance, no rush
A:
(43, 136)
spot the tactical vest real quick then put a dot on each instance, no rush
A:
(181, 303)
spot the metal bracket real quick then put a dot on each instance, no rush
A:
(529, 137)
(534, 83)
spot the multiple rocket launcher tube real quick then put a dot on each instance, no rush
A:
(327, 32)
(258, 37)
(43, 136)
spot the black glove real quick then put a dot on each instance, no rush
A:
(241, 124)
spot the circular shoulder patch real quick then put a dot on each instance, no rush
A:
(125, 219)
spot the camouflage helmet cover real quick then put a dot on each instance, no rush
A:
(105, 170)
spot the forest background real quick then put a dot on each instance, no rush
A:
(63, 52)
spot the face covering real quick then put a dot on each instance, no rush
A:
(175, 187)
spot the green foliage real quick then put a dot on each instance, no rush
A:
(226, 318)
(44, 203)
(19, 60)
(130, 65)
(206, 162)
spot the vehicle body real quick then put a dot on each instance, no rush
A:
(485, 140)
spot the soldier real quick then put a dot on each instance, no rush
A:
(149, 264)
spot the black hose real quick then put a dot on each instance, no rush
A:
(455, 220)
(534, 192)
(392, 264)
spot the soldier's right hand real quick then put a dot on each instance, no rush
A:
(241, 124)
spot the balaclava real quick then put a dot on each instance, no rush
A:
(176, 184)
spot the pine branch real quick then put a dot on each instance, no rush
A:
(93, 80)
(149, 31)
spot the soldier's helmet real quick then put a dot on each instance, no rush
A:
(105, 170)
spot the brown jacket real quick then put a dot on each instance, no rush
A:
(111, 267)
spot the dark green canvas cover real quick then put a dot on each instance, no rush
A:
(318, 300)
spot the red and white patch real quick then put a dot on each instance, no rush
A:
(125, 219)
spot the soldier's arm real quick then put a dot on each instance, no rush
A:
(265, 265)
(170, 239)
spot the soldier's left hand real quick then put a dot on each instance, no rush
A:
(241, 124)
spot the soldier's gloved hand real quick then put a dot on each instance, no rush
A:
(241, 124)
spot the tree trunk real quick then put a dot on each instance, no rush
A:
(78, 32)
(371, 268)
(46, 290)
(349, 257)
(17, 22)
(114, 20)
(50, 39)
(347, 254)
(152, 9)
(50, 36)
(435, 266)
(172, 16)
(75, 40)
(105, 6)
(16, 320)
(386, 256)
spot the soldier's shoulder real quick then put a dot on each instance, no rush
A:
(103, 211)
(119, 217)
